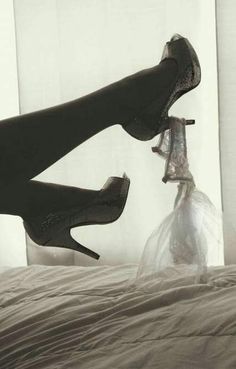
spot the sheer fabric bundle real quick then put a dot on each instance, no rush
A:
(181, 240)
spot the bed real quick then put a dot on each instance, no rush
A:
(101, 317)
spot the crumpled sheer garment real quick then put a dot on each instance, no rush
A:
(173, 148)
(184, 235)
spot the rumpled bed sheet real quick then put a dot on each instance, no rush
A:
(102, 318)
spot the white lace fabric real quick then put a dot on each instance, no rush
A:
(183, 236)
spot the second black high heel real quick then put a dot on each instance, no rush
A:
(154, 118)
(54, 229)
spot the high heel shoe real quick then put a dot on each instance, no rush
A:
(154, 118)
(54, 229)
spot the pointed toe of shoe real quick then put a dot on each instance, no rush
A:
(176, 37)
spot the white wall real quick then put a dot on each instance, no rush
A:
(68, 48)
(226, 20)
(12, 240)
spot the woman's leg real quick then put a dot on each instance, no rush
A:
(33, 198)
(31, 143)
(50, 211)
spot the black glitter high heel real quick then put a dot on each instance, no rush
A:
(154, 118)
(54, 229)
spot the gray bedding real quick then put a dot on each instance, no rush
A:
(97, 317)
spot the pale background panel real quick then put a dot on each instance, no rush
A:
(12, 236)
(226, 20)
(68, 48)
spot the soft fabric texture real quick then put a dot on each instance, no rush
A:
(100, 317)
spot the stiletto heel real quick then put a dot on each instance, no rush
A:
(54, 229)
(154, 119)
(64, 239)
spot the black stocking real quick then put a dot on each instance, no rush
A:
(32, 142)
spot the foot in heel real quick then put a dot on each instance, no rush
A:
(153, 119)
(53, 229)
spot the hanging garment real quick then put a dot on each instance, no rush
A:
(182, 239)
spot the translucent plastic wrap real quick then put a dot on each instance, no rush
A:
(183, 237)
